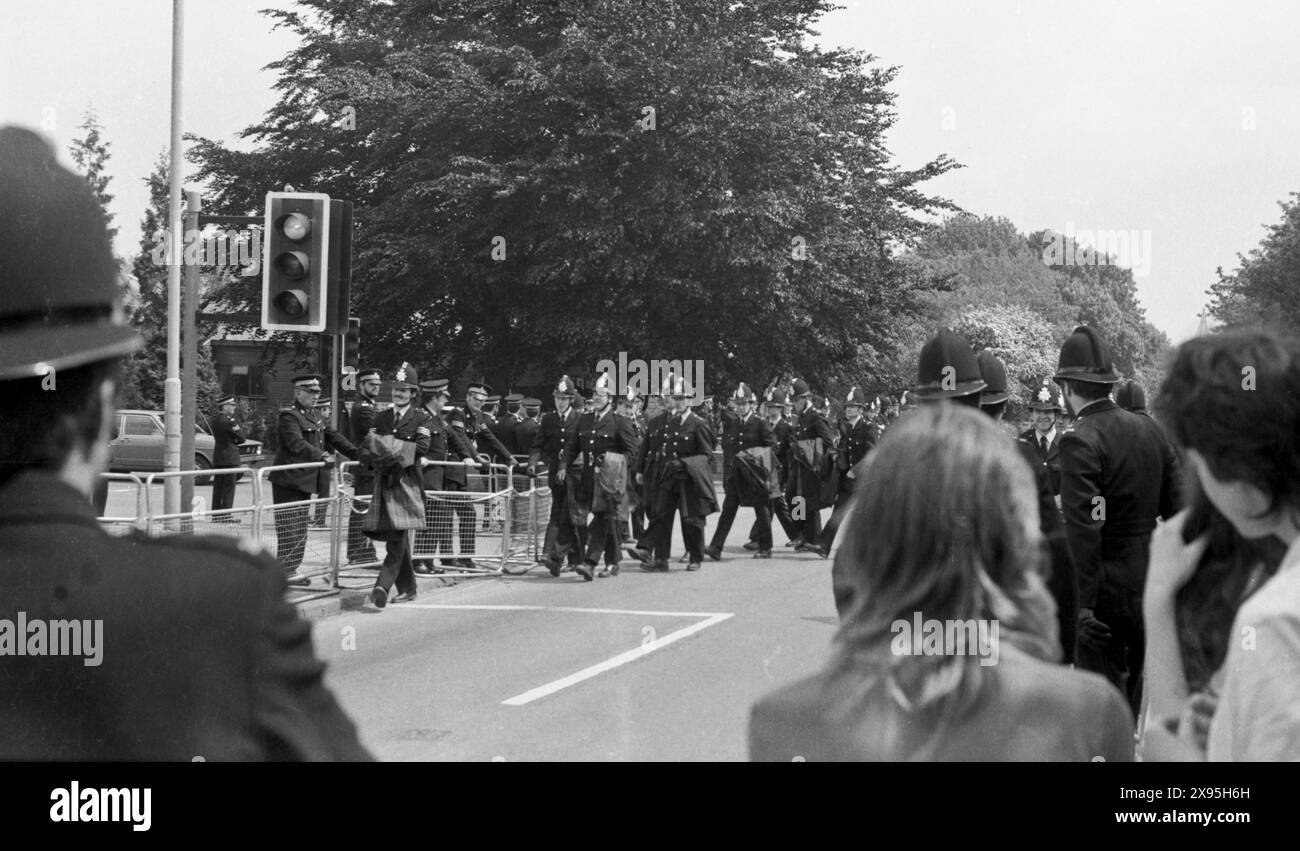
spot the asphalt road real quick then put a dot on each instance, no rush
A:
(641, 666)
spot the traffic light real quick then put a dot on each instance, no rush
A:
(295, 261)
(352, 345)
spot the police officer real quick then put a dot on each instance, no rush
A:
(228, 435)
(444, 469)
(809, 440)
(303, 438)
(508, 423)
(461, 449)
(564, 539)
(1045, 405)
(681, 443)
(743, 430)
(777, 405)
(858, 436)
(1117, 475)
(361, 420)
(625, 406)
(407, 422)
(606, 442)
(529, 422)
(1062, 581)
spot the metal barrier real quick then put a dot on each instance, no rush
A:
(509, 544)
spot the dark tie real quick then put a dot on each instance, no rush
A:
(1042, 447)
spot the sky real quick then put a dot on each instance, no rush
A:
(1175, 123)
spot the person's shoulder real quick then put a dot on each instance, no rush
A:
(224, 559)
(1072, 691)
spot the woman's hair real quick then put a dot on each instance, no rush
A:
(1231, 568)
(1235, 399)
(944, 524)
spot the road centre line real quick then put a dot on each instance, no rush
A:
(710, 619)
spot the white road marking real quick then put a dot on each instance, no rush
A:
(710, 619)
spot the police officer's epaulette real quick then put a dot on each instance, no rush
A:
(247, 550)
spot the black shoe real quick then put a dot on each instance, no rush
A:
(610, 570)
(586, 571)
(695, 565)
(796, 542)
(379, 597)
(405, 597)
(555, 567)
(424, 568)
(685, 558)
(751, 545)
(657, 566)
(714, 553)
(763, 554)
(639, 554)
(817, 549)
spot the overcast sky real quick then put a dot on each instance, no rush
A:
(1177, 121)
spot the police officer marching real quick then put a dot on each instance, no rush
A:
(744, 430)
(228, 435)
(606, 441)
(858, 436)
(810, 439)
(407, 422)
(564, 539)
(361, 420)
(303, 438)
(1045, 406)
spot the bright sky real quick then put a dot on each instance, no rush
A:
(1178, 121)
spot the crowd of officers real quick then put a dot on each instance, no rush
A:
(619, 479)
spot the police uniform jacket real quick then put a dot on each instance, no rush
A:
(550, 439)
(449, 444)
(228, 436)
(201, 655)
(479, 429)
(361, 420)
(741, 434)
(802, 480)
(1052, 461)
(595, 436)
(504, 429)
(856, 440)
(782, 429)
(524, 434)
(677, 450)
(1117, 475)
(414, 427)
(304, 438)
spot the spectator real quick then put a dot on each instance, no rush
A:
(1232, 402)
(185, 646)
(944, 529)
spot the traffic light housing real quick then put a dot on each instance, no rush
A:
(352, 346)
(296, 262)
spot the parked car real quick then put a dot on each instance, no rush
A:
(139, 442)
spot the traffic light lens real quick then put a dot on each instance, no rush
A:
(295, 226)
(291, 302)
(292, 265)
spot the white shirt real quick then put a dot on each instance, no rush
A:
(1049, 436)
(1258, 716)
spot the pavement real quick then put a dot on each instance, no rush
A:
(638, 667)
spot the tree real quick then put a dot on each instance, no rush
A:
(1021, 338)
(90, 153)
(538, 187)
(1265, 288)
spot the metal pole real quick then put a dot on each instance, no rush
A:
(190, 355)
(172, 454)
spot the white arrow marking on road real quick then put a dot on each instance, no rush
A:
(609, 664)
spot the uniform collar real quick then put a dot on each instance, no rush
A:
(1096, 407)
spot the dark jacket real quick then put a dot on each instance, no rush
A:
(524, 434)
(1051, 461)
(201, 654)
(595, 436)
(855, 442)
(1063, 581)
(803, 480)
(450, 445)
(228, 435)
(303, 438)
(1118, 473)
(478, 427)
(361, 420)
(549, 441)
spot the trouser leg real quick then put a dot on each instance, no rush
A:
(730, 505)
(360, 548)
(763, 522)
(223, 492)
(290, 527)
